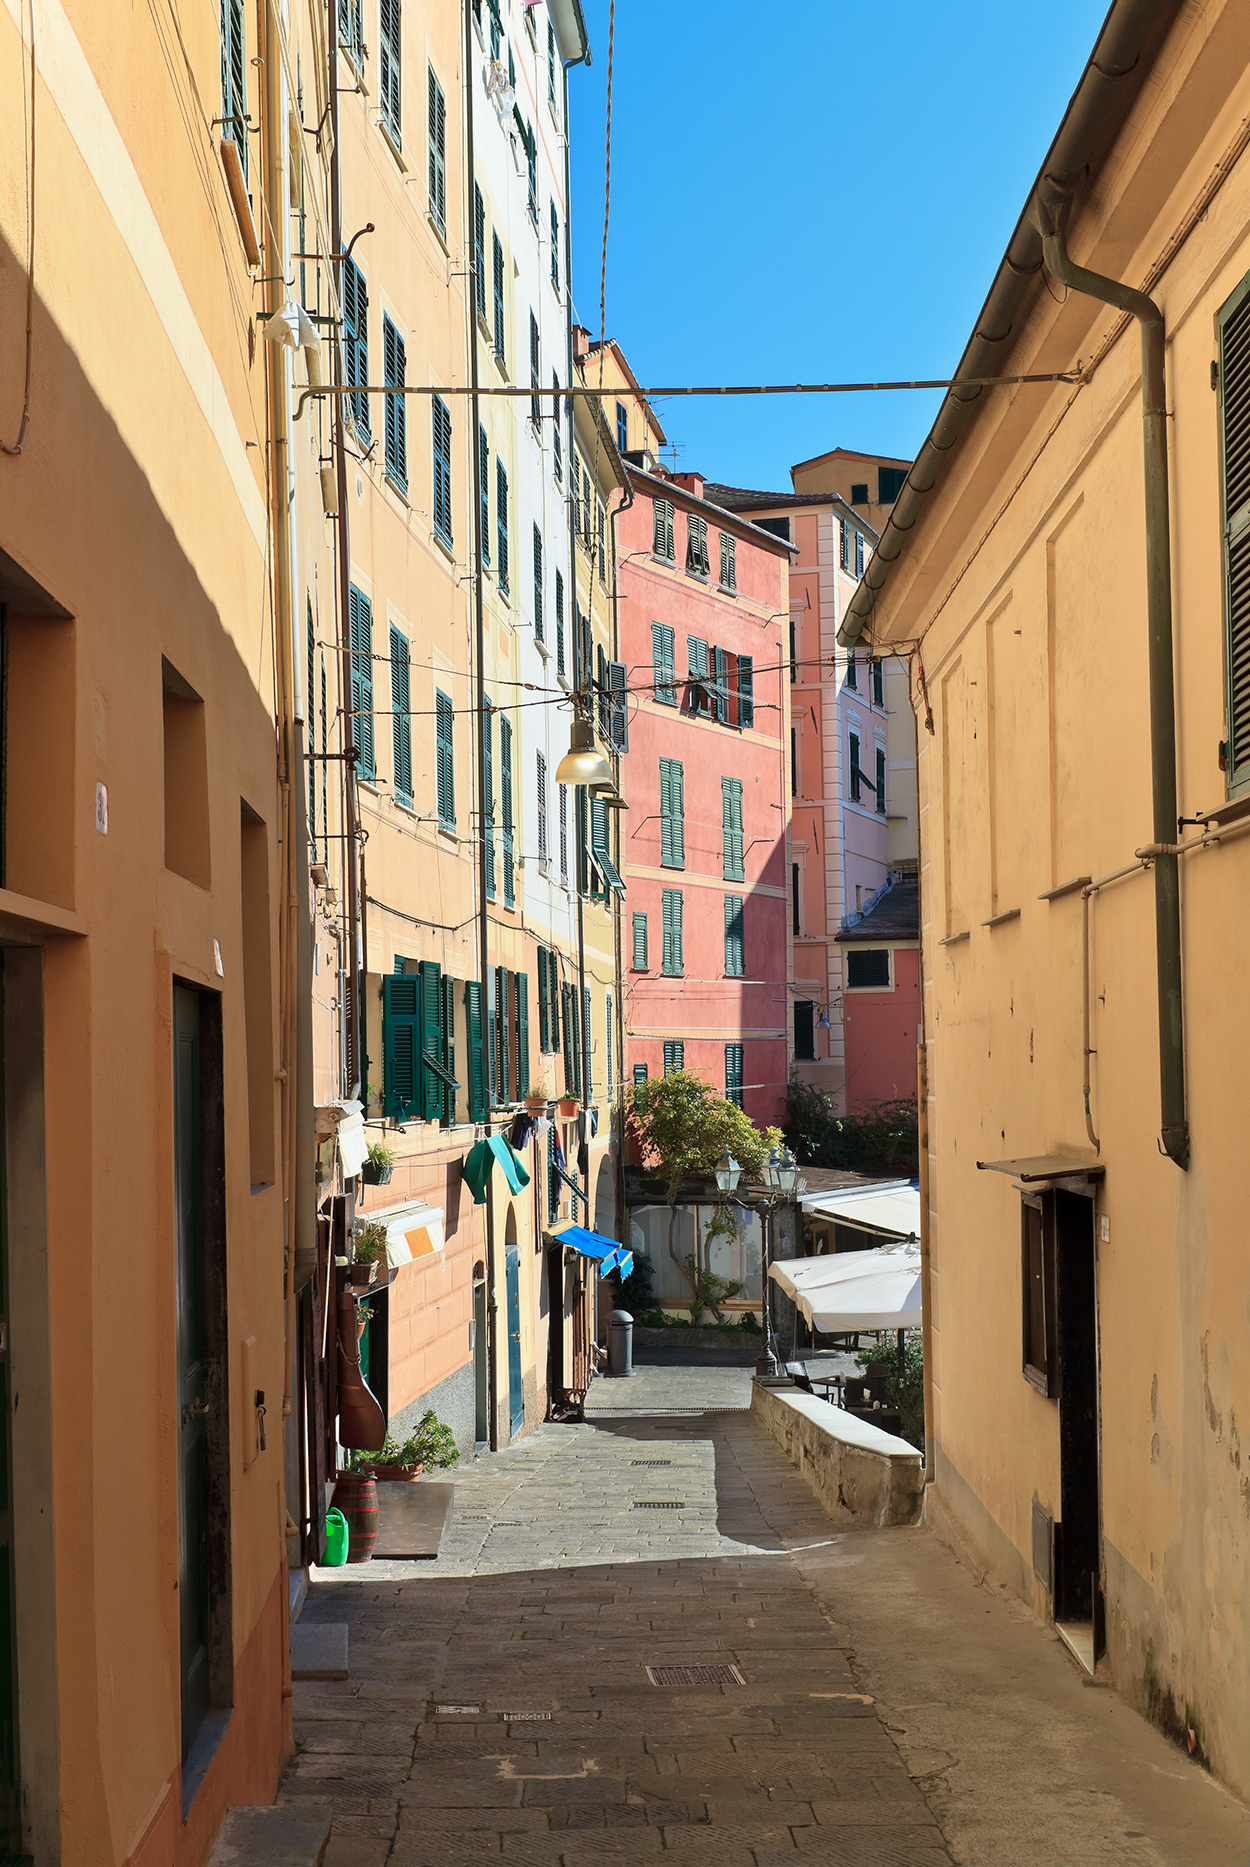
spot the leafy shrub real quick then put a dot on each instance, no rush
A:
(883, 1137)
(907, 1394)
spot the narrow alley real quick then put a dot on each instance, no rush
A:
(859, 1700)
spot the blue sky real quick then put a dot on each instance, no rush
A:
(797, 197)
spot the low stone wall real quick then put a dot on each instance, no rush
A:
(735, 1348)
(866, 1479)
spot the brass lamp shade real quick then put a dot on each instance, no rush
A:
(583, 763)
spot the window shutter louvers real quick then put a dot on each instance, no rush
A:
(735, 961)
(663, 657)
(438, 150)
(444, 758)
(479, 250)
(720, 673)
(733, 1073)
(670, 904)
(431, 1087)
(360, 624)
(505, 798)
(394, 365)
(1234, 410)
(483, 490)
(731, 828)
(356, 342)
(746, 691)
(501, 522)
(488, 801)
(477, 1051)
(521, 986)
(538, 585)
(640, 943)
(618, 705)
(401, 717)
(401, 1046)
(441, 421)
(389, 64)
(542, 809)
(497, 270)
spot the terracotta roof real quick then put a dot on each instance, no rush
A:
(895, 917)
(746, 499)
(658, 488)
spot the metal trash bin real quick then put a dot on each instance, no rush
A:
(620, 1344)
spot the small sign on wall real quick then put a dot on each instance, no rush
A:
(102, 809)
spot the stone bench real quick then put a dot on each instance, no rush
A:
(866, 1479)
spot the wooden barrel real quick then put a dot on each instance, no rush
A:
(356, 1495)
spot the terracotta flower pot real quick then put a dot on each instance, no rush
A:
(536, 1103)
(397, 1474)
(569, 1106)
(360, 1276)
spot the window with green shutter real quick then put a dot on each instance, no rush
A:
(555, 267)
(557, 445)
(356, 343)
(521, 1000)
(497, 279)
(735, 961)
(607, 1026)
(571, 1039)
(670, 907)
(880, 782)
(538, 586)
(234, 77)
(728, 561)
(483, 490)
(505, 805)
(720, 685)
(450, 1085)
(674, 1056)
(394, 367)
(432, 1075)
(697, 666)
(360, 625)
(663, 663)
(856, 774)
(503, 1036)
(401, 717)
(401, 1046)
(640, 1072)
(488, 802)
(599, 846)
(390, 71)
(1234, 415)
(859, 554)
(587, 1046)
(544, 1025)
(696, 546)
(479, 252)
(733, 1073)
(477, 1050)
(308, 731)
(663, 516)
(501, 523)
(540, 789)
(618, 705)
(438, 152)
(441, 421)
(445, 762)
(731, 829)
(844, 543)
(640, 943)
(672, 817)
(746, 691)
(878, 681)
(553, 1177)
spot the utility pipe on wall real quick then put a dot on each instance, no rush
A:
(1051, 213)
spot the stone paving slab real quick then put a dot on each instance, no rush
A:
(551, 1595)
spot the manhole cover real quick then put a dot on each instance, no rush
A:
(659, 1504)
(651, 1461)
(695, 1675)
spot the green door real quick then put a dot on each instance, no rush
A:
(192, 1368)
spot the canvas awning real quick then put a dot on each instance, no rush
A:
(413, 1231)
(892, 1207)
(855, 1289)
(608, 1254)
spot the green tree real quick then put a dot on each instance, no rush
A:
(682, 1127)
(882, 1137)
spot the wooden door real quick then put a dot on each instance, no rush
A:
(192, 1367)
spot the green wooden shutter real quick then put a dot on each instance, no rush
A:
(746, 690)
(720, 676)
(360, 624)
(618, 705)
(731, 828)
(697, 670)
(401, 717)
(308, 730)
(503, 1036)
(599, 845)
(429, 1084)
(445, 763)
(735, 964)
(505, 800)
(479, 251)
(854, 738)
(539, 634)
(401, 1046)
(672, 820)
(555, 256)
(662, 669)
(497, 271)
(522, 988)
(501, 523)
(483, 490)
(234, 77)
(607, 1026)
(356, 341)
(488, 802)
(640, 943)
(733, 1073)
(880, 782)
(566, 1034)
(492, 1037)
(672, 944)
(440, 418)
(576, 1044)
(543, 1020)
(477, 1051)
(438, 148)
(587, 1047)
(449, 1050)
(674, 1056)
(1234, 409)
(640, 1072)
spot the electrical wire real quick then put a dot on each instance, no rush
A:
(30, 245)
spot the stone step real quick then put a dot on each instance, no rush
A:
(278, 1836)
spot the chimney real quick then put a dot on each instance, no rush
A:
(581, 343)
(693, 483)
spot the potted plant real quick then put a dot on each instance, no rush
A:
(432, 1443)
(538, 1094)
(368, 1252)
(569, 1105)
(379, 1163)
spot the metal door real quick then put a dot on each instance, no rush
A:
(191, 1366)
(516, 1402)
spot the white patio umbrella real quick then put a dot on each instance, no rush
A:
(855, 1289)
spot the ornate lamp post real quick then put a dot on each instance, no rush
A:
(782, 1177)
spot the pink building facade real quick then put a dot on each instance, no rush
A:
(704, 607)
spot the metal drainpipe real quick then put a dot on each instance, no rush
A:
(621, 1210)
(479, 652)
(350, 1012)
(1052, 219)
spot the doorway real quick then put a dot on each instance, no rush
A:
(206, 1662)
(1078, 1548)
(512, 1262)
(481, 1366)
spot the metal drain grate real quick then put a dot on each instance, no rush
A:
(695, 1675)
(651, 1461)
(659, 1503)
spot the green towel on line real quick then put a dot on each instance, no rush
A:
(481, 1158)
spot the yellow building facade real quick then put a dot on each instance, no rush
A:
(1082, 719)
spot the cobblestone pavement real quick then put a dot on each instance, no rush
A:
(499, 1705)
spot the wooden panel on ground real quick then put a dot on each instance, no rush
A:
(411, 1519)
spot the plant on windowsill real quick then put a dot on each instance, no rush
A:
(368, 1253)
(569, 1106)
(538, 1094)
(379, 1164)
